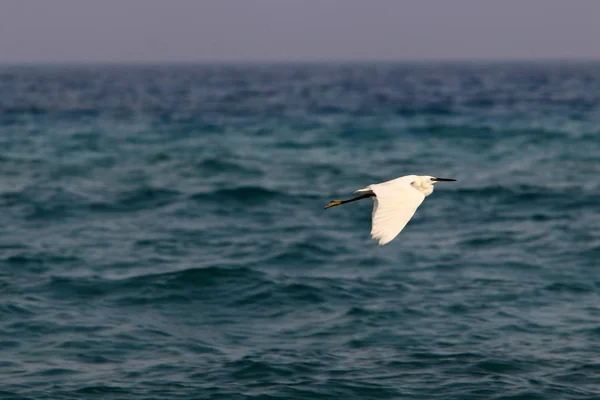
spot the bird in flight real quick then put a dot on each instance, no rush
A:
(394, 203)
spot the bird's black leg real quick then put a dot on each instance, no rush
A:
(334, 203)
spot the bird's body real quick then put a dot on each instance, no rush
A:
(395, 202)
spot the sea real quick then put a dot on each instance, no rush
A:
(163, 236)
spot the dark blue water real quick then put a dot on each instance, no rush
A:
(163, 233)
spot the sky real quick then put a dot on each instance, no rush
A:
(65, 31)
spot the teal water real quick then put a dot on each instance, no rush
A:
(163, 233)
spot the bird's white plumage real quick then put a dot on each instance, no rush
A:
(394, 204)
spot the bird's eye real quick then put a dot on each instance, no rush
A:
(433, 179)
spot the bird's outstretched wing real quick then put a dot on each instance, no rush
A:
(395, 202)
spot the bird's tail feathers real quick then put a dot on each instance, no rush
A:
(364, 190)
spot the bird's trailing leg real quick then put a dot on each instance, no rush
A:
(334, 203)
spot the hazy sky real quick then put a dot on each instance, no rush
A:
(296, 30)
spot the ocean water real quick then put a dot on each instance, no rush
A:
(163, 233)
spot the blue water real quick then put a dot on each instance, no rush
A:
(163, 233)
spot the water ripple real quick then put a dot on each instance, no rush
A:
(164, 233)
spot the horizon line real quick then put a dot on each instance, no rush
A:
(307, 61)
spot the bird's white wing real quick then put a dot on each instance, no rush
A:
(395, 203)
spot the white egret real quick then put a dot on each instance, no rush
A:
(394, 203)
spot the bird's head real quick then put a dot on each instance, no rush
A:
(424, 183)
